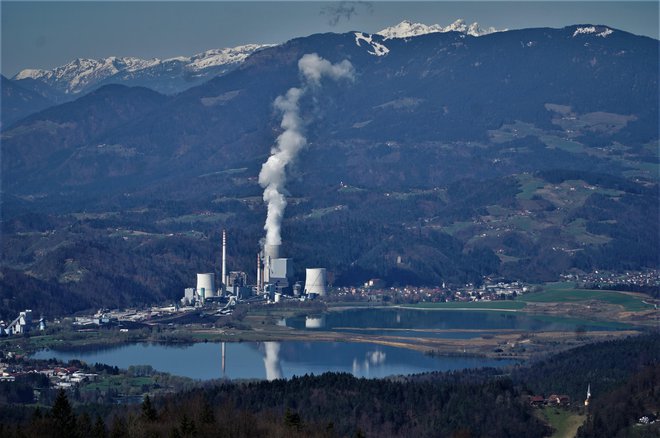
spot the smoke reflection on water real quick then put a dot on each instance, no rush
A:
(272, 361)
(274, 370)
(372, 358)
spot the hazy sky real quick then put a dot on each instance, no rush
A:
(52, 33)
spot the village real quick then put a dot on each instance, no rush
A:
(376, 290)
(59, 376)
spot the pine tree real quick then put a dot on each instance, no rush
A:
(148, 411)
(64, 421)
(188, 426)
(37, 414)
(119, 428)
(207, 415)
(84, 425)
(292, 419)
(99, 428)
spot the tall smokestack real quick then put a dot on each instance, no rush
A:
(258, 273)
(224, 261)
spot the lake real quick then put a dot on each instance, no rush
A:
(272, 360)
(448, 324)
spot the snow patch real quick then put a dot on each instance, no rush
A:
(185, 59)
(584, 30)
(378, 48)
(592, 29)
(30, 73)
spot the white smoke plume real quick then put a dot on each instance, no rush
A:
(273, 172)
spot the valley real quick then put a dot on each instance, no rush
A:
(456, 228)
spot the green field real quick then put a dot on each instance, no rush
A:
(528, 186)
(121, 383)
(456, 227)
(564, 422)
(494, 305)
(562, 293)
(560, 143)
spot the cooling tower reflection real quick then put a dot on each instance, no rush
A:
(315, 322)
(372, 358)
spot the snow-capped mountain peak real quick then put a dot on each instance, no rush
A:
(408, 29)
(84, 74)
(216, 57)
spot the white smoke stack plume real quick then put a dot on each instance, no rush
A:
(273, 172)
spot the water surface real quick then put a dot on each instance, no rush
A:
(445, 323)
(271, 360)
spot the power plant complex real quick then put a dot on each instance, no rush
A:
(274, 280)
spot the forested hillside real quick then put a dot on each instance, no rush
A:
(444, 160)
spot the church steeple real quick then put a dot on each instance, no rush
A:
(586, 401)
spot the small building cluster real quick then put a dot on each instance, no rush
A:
(551, 400)
(376, 290)
(608, 279)
(59, 376)
(24, 323)
(648, 419)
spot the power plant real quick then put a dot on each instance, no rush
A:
(274, 280)
(274, 273)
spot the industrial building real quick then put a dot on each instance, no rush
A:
(274, 273)
(21, 324)
(274, 280)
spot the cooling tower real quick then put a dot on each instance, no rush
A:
(206, 282)
(315, 281)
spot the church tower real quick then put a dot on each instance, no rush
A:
(586, 401)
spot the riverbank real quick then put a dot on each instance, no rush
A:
(496, 344)
(565, 325)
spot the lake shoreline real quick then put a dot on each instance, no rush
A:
(497, 344)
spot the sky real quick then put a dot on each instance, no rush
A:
(52, 33)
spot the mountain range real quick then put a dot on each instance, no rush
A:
(523, 154)
(169, 76)
(408, 29)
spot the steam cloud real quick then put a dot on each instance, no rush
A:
(273, 172)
